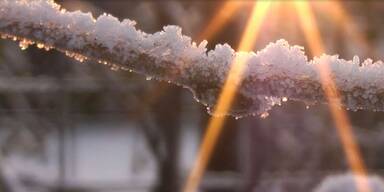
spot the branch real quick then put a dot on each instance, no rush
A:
(272, 75)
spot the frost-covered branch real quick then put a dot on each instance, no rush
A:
(272, 75)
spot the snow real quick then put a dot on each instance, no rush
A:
(346, 183)
(276, 73)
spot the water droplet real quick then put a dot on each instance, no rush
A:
(23, 45)
(115, 67)
(40, 45)
(47, 48)
(307, 107)
(264, 115)
(75, 56)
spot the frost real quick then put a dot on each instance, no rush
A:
(272, 76)
(347, 183)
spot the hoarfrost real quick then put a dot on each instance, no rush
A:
(273, 75)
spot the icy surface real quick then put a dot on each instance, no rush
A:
(346, 183)
(277, 73)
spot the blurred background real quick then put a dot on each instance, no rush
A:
(80, 127)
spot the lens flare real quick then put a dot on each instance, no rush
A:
(227, 95)
(312, 35)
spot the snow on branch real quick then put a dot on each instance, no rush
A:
(274, 74)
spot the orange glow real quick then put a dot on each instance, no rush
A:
(227, 95)
(309, 27)
(312, 35)
(220, 19)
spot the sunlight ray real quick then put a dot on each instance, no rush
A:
(225, 13)
(342, 17)
(314, 40)
(227, 95)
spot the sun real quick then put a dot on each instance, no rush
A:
(312, 34)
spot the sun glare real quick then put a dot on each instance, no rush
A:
(225, 13)
(227, 95)
(312, 34)
(313, 37)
